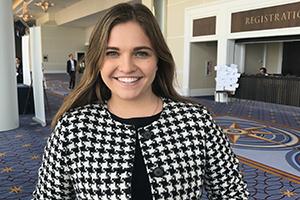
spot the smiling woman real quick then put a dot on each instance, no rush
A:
(125, 133)
(128, 70)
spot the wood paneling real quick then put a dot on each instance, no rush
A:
(281, 90)
(282, 16)
(204, 26)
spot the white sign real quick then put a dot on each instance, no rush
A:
(37, 75)
(26, 60)
(227, 78)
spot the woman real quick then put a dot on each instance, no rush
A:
(124, 132)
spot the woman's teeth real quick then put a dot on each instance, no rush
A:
(128, 79)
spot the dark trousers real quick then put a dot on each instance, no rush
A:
(72, 79)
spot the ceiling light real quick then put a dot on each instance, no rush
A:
(44, 5)
(26, 16)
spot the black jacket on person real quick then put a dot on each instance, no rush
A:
(20, 73)
(69, 66)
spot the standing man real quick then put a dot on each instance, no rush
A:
(71, 69)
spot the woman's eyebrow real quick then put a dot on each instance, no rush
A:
(142, 47)
(113, 48)
(134, 49)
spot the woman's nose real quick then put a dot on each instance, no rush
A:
(126, 64)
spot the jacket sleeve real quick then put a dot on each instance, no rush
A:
(68, 67)
(222, 178)
(53, 176)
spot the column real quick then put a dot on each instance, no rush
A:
(225, 51)
(225, 57)
(160, 14)
(9, 117)
(239, 56)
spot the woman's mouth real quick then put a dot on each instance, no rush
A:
(128, 80)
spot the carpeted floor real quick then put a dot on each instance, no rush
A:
(265, 138)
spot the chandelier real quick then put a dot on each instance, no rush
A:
(45, 5)
(26, 16)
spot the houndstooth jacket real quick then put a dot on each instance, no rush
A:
(90, 156)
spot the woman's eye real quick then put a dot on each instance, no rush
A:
(112, 53)
(141, 54)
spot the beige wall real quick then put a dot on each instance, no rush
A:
(57, 43)
(274, 58)
(254, 58)
(83, 9)
(88, 32)
(175, 29)
(255, 55)
(200, 53)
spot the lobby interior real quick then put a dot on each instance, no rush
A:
(261, 116)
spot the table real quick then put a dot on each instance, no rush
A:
(25, 99)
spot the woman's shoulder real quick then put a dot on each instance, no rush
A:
(188, 111)
(81, 112)
(187, 105)
(86, 109)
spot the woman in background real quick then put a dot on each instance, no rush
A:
(125, 133)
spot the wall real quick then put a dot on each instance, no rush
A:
(274, 58)
(88, 32)
(57, 43)
(82, 9)
(175, 30)
(222, 9)
(255, 55)
(254, 58)
(200, 53)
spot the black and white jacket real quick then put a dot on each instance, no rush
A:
(90, 156)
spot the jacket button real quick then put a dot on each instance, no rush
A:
(147, 135)
(158, 172)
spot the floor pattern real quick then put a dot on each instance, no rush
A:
(272, 146)
(269, 113)
(266, 138)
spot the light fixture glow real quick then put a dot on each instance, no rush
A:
(26, 16)
(45, 5)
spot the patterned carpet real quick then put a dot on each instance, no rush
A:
(266, 140)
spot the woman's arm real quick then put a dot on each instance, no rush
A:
(223, 179)
(53, 177)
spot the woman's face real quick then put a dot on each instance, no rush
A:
(129, 65)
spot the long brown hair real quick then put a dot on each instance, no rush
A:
(91, 88)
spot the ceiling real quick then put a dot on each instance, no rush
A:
(37, 12)
(86, 21)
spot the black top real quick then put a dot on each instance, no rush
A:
(140, 185)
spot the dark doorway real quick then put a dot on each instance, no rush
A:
(80, 56)
(291, 58)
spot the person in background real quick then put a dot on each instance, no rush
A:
(263, 71)
(71, 69)
(19, 70)
(125, 133)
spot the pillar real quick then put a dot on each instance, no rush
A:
(240, 56)
(9, 115)
(225, 51)
(160, 8)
